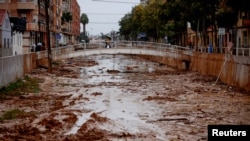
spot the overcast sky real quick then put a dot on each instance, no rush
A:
(104, 15)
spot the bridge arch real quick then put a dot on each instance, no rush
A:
(136, 51)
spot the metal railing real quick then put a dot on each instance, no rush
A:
(242, 51)
(145, 45)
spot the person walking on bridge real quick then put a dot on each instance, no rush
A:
(107, 42)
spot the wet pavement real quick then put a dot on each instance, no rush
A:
(124, 98)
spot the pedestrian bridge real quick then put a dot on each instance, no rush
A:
(173, 55)
(136, 48)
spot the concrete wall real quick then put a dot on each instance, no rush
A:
(10, 69)
(14, 67)
(235, 70)
(29, 62)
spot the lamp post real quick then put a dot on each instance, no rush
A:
(48, 36)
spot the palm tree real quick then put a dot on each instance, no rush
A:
(84, 20)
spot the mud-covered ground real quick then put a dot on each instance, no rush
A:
(121, 98)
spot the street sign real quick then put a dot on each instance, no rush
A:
(222, 31)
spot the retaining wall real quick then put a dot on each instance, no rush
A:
(232, 70)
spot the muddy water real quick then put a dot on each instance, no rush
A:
(124, 98)
(145, 100)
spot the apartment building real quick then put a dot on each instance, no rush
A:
(70, 31)
(34, 13)
(75, 24)
(243, 30)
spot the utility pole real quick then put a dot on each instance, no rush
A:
(48, 36)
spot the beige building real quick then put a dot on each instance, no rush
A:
(243, 30)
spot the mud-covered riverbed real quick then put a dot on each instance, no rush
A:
(122, 97)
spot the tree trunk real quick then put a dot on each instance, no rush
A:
(214, 31)
(196, 35)
(204, 31)
(84, 30)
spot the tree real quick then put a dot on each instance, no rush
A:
(131, 23)
(136, 21)
(226, 17)
(158, 19)
(201, 15)
(151, 21)
(84, 20)
(66, 17)
(126, 26)
(174, 16)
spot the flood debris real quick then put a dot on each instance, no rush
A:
(91, 98)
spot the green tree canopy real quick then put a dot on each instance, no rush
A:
(66, 17)
(158, 19)
(84, 20)
(126, 26)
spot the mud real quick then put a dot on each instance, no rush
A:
(122, 97)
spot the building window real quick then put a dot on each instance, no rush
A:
(8, 43)
(245, 38)
(23, 16)
(7, 23)
(239, 41)
(4, 44)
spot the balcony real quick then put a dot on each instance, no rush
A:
(42, 28)
(18, 24)
(64, 26)
(32, 26)
(65, 30)
(25, 4)
(42, 11)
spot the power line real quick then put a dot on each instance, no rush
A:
(104, 14)
(115, 1)
(102, 23)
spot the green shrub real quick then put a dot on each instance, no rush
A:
(20, 87)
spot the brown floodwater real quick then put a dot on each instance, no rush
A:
(124, 98)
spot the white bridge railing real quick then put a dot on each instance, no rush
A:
(144, 45)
